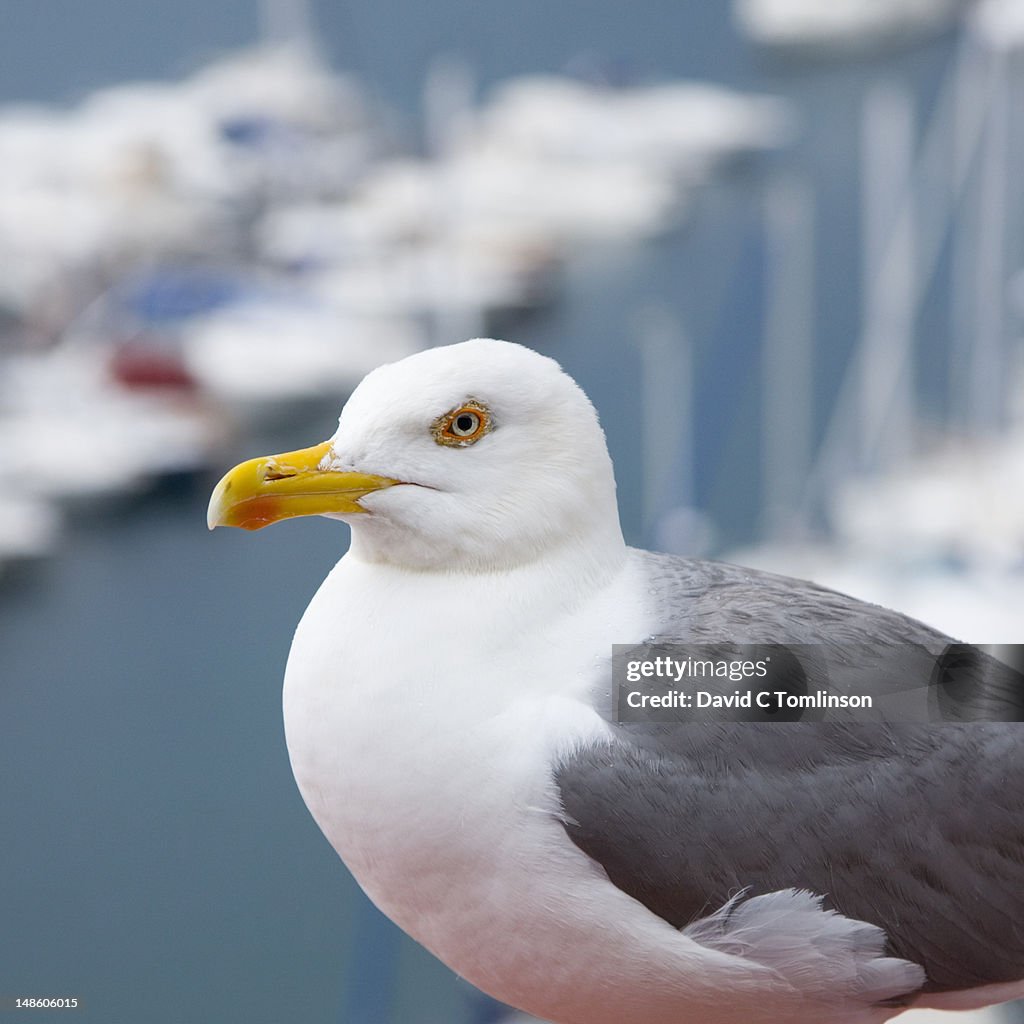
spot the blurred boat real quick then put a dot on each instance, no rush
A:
(249, 341)
(962, 504)
(684, 130)
(257, 358)
(413, 242)
(439, 278)
(573, 203)
(841, 25)
(390, 250)
(978, 606)
(73, 433)
(582, 164)
(941, 539)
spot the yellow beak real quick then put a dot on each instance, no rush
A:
(262, 491)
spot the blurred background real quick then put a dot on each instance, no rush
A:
(779, 243)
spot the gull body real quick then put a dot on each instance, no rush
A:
(446, 715)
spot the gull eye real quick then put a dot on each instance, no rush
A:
(466, 424)
(462, 426)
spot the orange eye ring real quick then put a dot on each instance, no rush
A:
(462, 426)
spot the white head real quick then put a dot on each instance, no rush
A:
(473, 457)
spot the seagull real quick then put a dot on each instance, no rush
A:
(446, 710)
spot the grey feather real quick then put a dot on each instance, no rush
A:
(917, 830)
(817, 950)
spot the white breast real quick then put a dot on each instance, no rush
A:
(423, 715)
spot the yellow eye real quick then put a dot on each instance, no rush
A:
(462, 426)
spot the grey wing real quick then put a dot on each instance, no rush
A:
(844, 640)
(918, 830)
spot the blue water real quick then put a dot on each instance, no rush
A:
(156, 859)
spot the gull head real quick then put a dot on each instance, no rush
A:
(473, 457)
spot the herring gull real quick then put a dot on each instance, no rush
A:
(447, 719)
